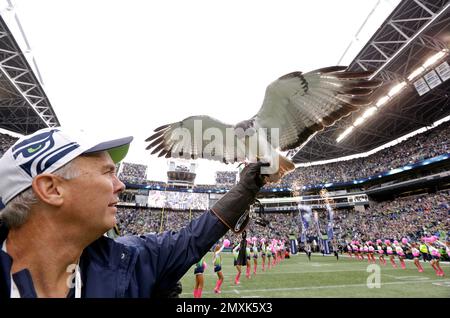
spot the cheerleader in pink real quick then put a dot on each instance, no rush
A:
(361, 249)
(248, 256)
(235, 263)
(349, 250)
(255, 254)
(274, 253)
(416, 253)
(263, 253)
(435, 256)
(217, 262)
(365, 249)
(370, 254)
(199, 279)
(380, 253)
(269, 255)
(283, 249)
(390, 253)
(355, 249)
(400, 254)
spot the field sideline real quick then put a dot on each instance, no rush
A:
(322, 277)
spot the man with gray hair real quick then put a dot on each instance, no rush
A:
(58, 195)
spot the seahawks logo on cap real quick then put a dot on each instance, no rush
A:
(39, 152)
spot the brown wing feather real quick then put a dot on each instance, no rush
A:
(315, 100)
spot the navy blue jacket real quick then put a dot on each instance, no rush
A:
(130, 266)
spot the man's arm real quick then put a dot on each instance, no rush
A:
(169, 255)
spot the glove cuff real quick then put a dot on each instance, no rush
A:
(233, 208)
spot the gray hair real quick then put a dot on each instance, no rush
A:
(17, 210)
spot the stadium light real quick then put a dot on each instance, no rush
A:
(397, 88)
(345, 133)
(430, 61)
(369, 112)
(433, 59)
(359, 121)
(416, 73)
(383, 100)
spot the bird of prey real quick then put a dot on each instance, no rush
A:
(295, 106)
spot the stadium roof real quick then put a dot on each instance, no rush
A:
(24, 106)
(415, 30)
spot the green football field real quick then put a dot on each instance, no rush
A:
(323, 276)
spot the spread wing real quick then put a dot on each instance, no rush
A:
(195, 137)
(301, 104)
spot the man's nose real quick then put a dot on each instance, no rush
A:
(119, 186)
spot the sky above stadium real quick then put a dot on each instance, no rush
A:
(117, 68)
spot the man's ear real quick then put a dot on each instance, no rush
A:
(46, 186)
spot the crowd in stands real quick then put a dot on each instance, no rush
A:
(136, 221)
(178, 200)
(133, 173)
(6, 141)
(429, 144)
(227, 178)
(411, 217)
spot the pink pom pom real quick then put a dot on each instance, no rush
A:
(205, 265)
(226, 243)
(404, 240)
(262, 240)
(378, 241)
(435, 253)
(395, 242)
(433, 239)
(387, 242)
(254, 239)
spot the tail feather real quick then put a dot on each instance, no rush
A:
(285, 166)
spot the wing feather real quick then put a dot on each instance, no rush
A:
(168, 140)
(302, 104)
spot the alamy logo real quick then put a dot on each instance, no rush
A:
(374, 279)
(38, 153)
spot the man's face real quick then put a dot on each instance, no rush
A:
(91, 197)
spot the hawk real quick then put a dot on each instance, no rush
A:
(295, 107)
